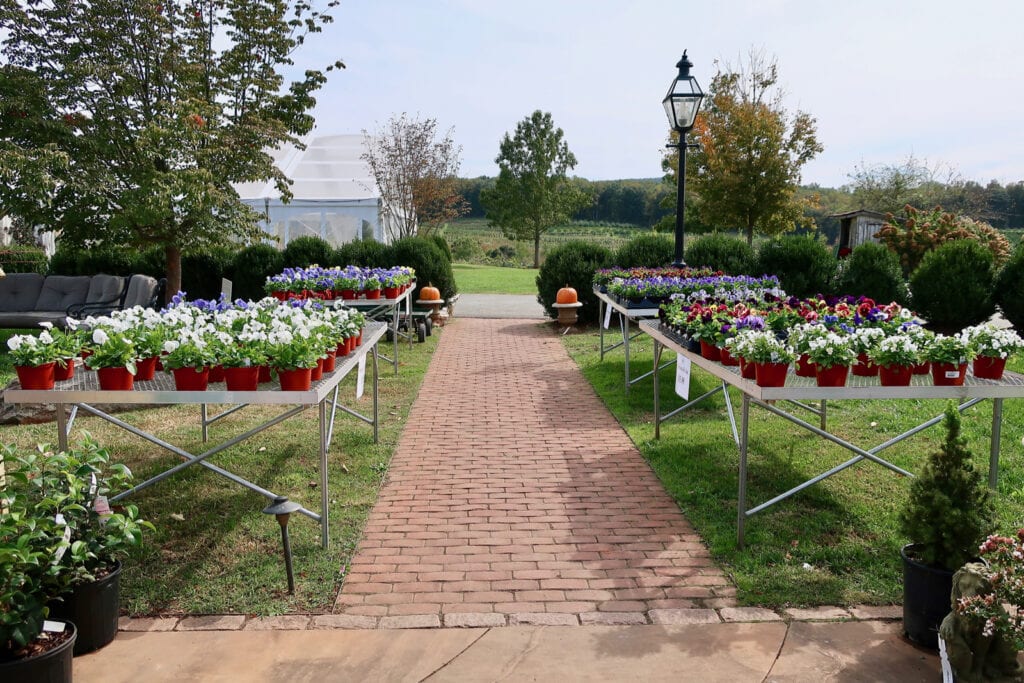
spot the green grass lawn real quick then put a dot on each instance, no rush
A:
(836, 543)
(213, 550)
(476, 279)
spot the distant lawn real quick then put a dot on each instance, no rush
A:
(473, 279)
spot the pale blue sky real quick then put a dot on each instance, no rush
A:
(940, 79)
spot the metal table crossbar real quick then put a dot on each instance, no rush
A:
(626, 315)
(797, 389)
(388, 311)
(82, 392)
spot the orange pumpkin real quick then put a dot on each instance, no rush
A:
(430, 293)
(566, 295)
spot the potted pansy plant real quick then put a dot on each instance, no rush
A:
(832, 354)
(111, 354)
(769, 354)
(896, 355)
(34, 358)
(188, 355)
(993, 346)
(949, 356)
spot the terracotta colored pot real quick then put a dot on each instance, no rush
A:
(948, 375)
(280, 296)
(372, 293)
(347, 294)
(895, 375)
(342, 349)
(747, 370)
(145, 369)
(987, 367)
(35, 376)
(804, 366)
(770, 374)
(242, 379)
(359, 338)
(727, 358)
(115, 379)
(392, 292)
(329, 361)
(298, 379)
(709, 351)
(64, 372)
(864, 367)
(317, 373)
(191, 379)
(834, 376)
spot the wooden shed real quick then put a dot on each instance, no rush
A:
(856, 228)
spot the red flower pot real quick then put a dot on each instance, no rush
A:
(35, 376)
(709, 351)
(727, 358)
(347, 294)
(191, 379)
(392, 292)
(329, 361)
(948, 375)
(317, 373)
(747, 370)
(989, 367)
(264, 374)
(115, 379)
(770, 374)
(895, 375)
(145, 369)
(922, 368)
(64, 372)
(342, 349)
(834, 376)
(372, 293)
(805, 367)
(298, 379)
(280, 296)
(242, 379)
(359, 338)
(864, 367)
(217, 373)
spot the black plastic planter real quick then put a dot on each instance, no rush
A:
(53, 666)
(926, 598)
(93, 607)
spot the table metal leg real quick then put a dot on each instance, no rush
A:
(600, 323)
(741, 496)
(624, 326)
(206, 424)
(993, 458)
(394, 337)
(324, 497)
(657, 398)
(376, 420)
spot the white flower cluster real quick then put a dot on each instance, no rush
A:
(989, 340)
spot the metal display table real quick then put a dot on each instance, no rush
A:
(626, 315)
(82, 392)
(798, 389)
(388, 311)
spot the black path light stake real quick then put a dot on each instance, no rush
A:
(282, 508)
(681, 106)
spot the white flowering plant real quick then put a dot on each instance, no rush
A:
(188, 348)
(33, 350)
(832, 349)
(896, 350)
(761, 346)
(800, 336)
(953, 349)
(863, 339)
(110, 346)
(993, 342)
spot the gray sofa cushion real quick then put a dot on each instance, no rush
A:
(20, 291)
(104, 288)
(141, 289)
(30, 320)
(61, 291)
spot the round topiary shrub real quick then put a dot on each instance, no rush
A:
(731, 255)
(442, 244)
(431, 264)
(201, 273)
(251, 267)
(872, 270)
(23, 259)
(1009, 289)
(573, 264)
(804, 265)
(650, 251)
(364, 253)
(305, 251)
(952, 288)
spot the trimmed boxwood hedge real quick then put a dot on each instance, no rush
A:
(874, 271)
(731, 255)
(952, 288)
(1009, 289)
(804, 265)
(573, 264)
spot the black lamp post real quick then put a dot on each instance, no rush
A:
(681, 105)
(282, 508)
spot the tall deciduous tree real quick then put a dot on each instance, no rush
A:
(124, 122)
(532, 192)
(751, 152)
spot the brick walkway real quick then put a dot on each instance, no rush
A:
(515, 496)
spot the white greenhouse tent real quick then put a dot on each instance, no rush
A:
(335, 195)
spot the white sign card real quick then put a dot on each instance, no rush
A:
(607, 316)
(361, 376)
(682, 376)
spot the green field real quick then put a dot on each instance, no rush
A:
(480, 279)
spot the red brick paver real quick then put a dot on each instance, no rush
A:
(514, 491)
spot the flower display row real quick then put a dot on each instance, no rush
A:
(604, 276)
(653, 291)
(236, 342)
(349, 282)
(829, 339)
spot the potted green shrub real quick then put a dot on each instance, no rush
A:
(73, 486)
(947, 515)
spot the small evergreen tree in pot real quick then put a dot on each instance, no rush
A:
(948, 513)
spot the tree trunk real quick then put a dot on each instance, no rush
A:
(750, 235)
(536, 248)
(173, 254)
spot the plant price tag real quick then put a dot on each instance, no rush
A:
(361, 377)
(682, 376)
(54, 626)
(952, 374)
(66, 539)
(607, 315)
(102, 508)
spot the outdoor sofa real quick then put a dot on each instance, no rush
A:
(27, 299)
